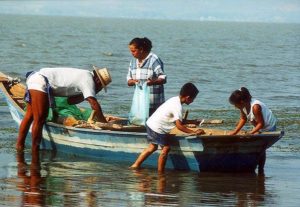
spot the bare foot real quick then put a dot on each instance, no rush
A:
(134, 167)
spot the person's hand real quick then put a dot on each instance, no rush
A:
(108, 118)
(132, 82)
(150, 82)
(232, 133)
(199, 132)
(255, 132)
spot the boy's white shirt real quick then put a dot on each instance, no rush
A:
(164, 118)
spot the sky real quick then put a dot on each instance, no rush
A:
(283, 11)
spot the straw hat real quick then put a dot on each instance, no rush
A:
(103, 76)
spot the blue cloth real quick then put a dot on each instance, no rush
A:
(139, 111)
(157, 138)
(27, 96)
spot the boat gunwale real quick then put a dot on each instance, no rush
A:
(277, 134)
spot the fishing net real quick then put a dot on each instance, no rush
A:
(63, 109)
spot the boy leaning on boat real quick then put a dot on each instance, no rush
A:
(165, 118)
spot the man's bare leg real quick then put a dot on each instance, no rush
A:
(40, 108)
(24, 128)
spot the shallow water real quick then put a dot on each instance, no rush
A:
(68, 180)
(217, 57)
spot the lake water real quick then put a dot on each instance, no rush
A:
(218, 57)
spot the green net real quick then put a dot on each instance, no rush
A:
(63, 109)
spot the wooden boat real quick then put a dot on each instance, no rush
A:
(214, 151)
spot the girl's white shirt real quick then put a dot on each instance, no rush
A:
(269, 118)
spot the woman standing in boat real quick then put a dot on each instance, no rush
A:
(76, 84)
(260, 116)
(147, 67)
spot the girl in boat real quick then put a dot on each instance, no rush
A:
(145, 66)
(255, 111)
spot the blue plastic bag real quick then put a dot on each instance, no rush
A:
(139, 111)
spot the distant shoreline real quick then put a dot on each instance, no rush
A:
(148, 19)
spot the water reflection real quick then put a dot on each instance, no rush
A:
(157, 189)
(75, 183)
(32, 185)
(83, 182)
(232, 189)
(188, 188)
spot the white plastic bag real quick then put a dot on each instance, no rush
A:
(139, 111)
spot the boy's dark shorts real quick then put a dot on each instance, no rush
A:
(157, 138)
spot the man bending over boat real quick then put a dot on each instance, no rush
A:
(162, 121)
(76, 84)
